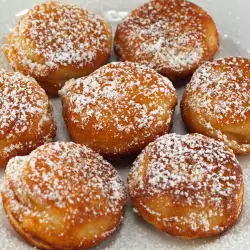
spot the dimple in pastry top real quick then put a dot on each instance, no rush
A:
(55, 42)
(26, 116)
(171, 36)
(188, 186)
(119, 108)
(63, 196)
(217, 102)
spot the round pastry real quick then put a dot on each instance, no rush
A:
(171, 36)
(187, 186)
(63, 196)
(55, 42)
(216, 102)
(119, 108)
(26, 116)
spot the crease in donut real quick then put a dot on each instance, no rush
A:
(221, 135)
(217, 133)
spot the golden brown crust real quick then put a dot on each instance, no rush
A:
(119, 108)
(26, 116)
(187, 186)
(63, 196)
(55, 42)
(216, 102)
(173, 37)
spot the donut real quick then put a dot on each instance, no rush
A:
(216, 102)
(26, 116)
(119, 108)
(189, 186)
(55, 42)
(173, 37)
(63, 196)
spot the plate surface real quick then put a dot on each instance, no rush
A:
(233, 20)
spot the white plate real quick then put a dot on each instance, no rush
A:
(233, 20)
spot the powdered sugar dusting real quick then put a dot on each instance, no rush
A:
(190, 162)
(64, 176)
(127, 96)
(219, 93)
(135, 233)
(228, 78)
(163, 35)
(53, 34)
(64, 173)
(195, 170)
(24, 108)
